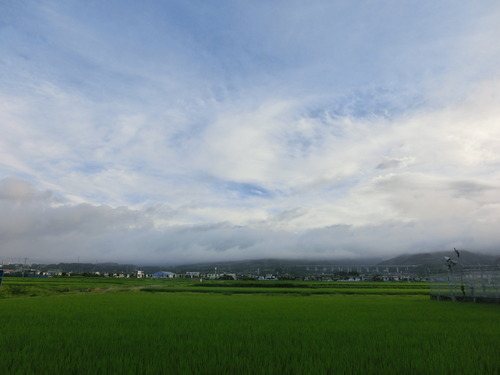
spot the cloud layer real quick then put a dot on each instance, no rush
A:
(187, 131)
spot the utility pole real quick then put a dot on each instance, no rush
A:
(24, 267)
(450, 263)
(462, 286)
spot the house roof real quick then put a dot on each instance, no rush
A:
(163, 273)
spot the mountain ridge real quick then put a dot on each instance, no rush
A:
(426, 262)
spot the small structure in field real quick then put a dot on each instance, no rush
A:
(468, 283)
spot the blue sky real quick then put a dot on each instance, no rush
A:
(179, 131)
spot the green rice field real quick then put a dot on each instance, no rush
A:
(58, 326)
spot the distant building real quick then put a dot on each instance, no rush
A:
(163, 275)
(140, 274)
(54, 272)
(228, 276)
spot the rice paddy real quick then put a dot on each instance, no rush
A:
(133, 331)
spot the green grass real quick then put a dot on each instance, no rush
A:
(134, 332)
(302, 288)
(22, 287)
(32, 286)
(277, 291)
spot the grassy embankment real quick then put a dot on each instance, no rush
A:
(130, 332)
(21, 287)
(33, 286)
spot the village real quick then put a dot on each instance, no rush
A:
(351, 273)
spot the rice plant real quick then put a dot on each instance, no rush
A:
(192, 333)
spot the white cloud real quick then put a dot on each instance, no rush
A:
(323, 129)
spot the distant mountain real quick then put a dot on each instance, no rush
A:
(435, 261)
(88, 267)
(425, 262)
(268, 265)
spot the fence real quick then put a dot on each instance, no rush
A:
(475, 284)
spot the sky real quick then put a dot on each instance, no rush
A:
(168, 132)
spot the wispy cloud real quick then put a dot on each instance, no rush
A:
(189, 131)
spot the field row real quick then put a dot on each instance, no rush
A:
(20, 287)
(300, 291)
(191, 333)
